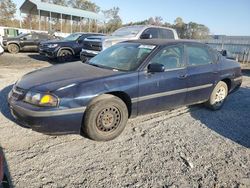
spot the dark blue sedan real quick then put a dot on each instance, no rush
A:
(126, 80)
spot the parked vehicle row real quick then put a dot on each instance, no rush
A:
(85, 45)
(65, 49)
(25, 42)
(94, 44)
(4, 183)
(126, 80)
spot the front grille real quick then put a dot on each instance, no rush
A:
(42, 46)
(18, 93)
(95, 46)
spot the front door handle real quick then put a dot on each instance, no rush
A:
(182, 76)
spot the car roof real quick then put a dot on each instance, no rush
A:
(147, 26)
(162, 42)
(89, 33)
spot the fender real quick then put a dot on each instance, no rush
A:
(16, 43)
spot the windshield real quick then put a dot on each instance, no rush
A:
(123, 57)
(72, 37)
(22, 35)
(128, 31)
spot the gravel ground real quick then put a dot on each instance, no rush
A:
(186, 147)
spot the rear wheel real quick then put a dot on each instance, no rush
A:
(105, 119)
(218, 96)
(64, 56)
(13, 48)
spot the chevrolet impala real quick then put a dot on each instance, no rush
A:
(126, 80)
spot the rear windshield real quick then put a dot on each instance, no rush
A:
(128, 31)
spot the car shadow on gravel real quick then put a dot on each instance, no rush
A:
(4, 104)
(7, 181)
(4, 108)
(232, 121)
(246, 72)
(39, 57)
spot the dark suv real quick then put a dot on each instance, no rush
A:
(64, 49)
(25, 42)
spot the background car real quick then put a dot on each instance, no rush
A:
(1, 50)
(25, 42)
(67, 48)
(93, 45)
(4, 183)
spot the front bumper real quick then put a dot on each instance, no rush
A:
(47, 120)
(49, 52)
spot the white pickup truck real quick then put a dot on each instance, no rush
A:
(93, 45)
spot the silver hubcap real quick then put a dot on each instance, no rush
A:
(220, 96)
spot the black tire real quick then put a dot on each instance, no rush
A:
(105, 118)
(65, 56)
(218, 96)
(84, 59)
(13, 48)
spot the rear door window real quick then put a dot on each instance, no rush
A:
(166, 34)
(198, 55)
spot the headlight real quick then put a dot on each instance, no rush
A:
(41, 99)
(107, 44)
(52, 45)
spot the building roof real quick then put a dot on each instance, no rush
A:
(32, 7)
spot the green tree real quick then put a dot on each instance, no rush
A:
(180, 27)
(196, 31)
(157, 20)
(84, 5)
(7, 12)
(57, 2)
(60, 2)
(113, 20)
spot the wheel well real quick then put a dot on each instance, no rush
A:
(14, 43)
(122, 95)
(125, 98)
(228, 82)
(69, 49)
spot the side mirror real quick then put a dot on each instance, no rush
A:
(24, 38)
(146, 36)
(156, 67)
(223, 53)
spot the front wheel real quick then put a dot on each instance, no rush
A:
(105, 119)
(218, 96)
(65, 56)
(13, 48)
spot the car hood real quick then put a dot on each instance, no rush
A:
(55, 77)
(56, 42)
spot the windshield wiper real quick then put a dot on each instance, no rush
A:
(100, 66)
